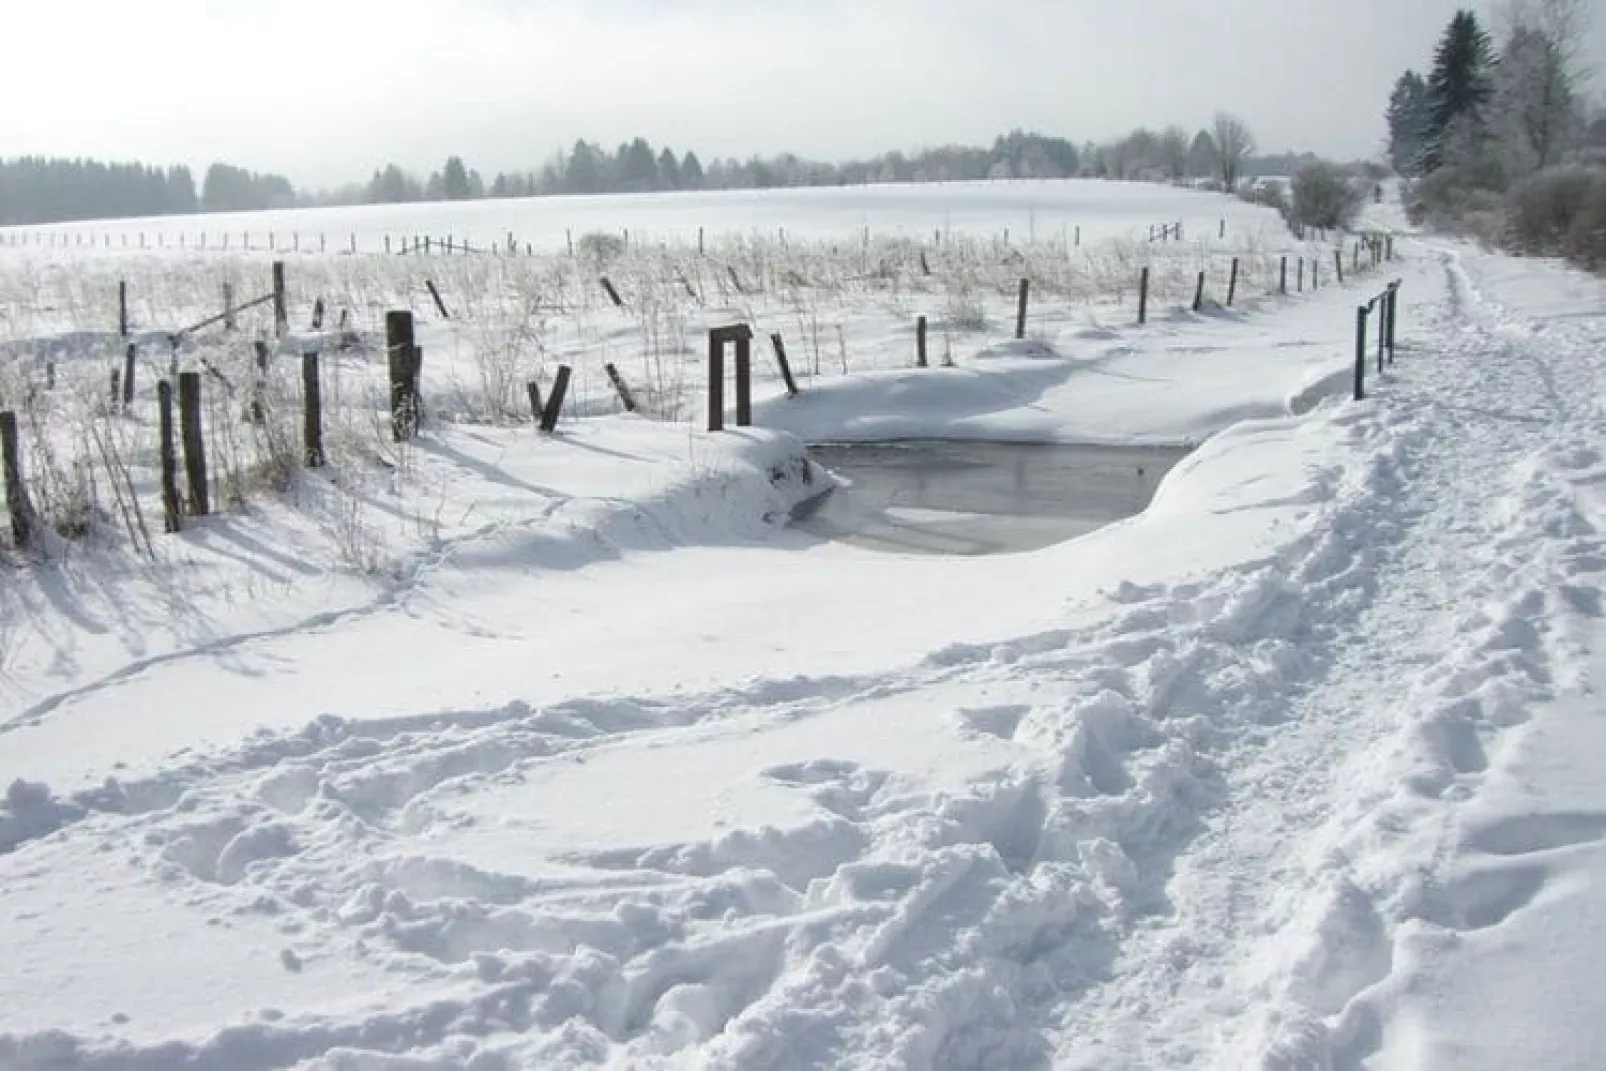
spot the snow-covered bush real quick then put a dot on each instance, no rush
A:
(1560, 211)
(1325, 196)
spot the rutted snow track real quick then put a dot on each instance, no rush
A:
(1335, 820)
(1191, 829)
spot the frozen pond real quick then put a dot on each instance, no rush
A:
(958, 497)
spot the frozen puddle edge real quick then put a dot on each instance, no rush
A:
(968, 497)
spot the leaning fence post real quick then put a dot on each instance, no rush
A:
(1360, 352)
(1232, 283)
(1020, 308)
(1198, 293)
(554, 404)
(440, 306)
(920, 342)
(779, 345)
(312, 412)
(189, 418)
(16, 495)
(534, 390)
(627, 399)
(1143, 296)
(402, 366)
(613, 295)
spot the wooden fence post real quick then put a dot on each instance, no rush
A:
(627, 399)
(402, 363)
(440, 306)
(779, 345)
(256, 409)
(534, 390)
(17, 504)
(128, 375)
(716, 381)
(189, 420)
(317, 315)
(744, 380)
(1338, 263)
(1282, 279)
(228, 306)
(1232, 283)
(1020, 308)
(122, 308)
(172, 511)
(281, 306)
(312, 412)
(1198, 293)
(1143, 296)
(920, 342)
(613, 295)
(554, 404)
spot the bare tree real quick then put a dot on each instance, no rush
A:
(1234, 143)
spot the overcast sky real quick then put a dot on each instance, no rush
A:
(326, 90)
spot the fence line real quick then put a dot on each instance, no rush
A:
(405, 360)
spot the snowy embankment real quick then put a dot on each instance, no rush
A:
(1290, 771)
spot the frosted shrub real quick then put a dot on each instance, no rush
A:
(1560, 211)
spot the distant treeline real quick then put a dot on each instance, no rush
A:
(34, 189)
(39, 190)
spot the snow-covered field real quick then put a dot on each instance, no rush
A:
(1031, 210)
(567, 752)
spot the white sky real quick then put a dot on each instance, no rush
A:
(326, 90)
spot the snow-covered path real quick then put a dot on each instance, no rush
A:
(1426, 624)
(1267, 800)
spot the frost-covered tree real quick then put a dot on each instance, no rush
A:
(668, 170)
(1409, 114)
(1234, 143)
(1459, 90)
(454, 180)
(1173, 152)
(691, 171)
(1537, 113)
(1202, 155)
